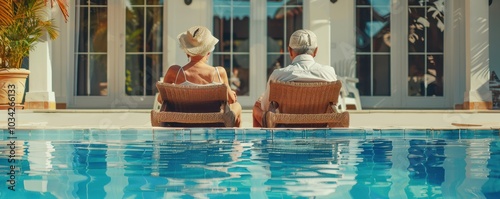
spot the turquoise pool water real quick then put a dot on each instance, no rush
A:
(227, 163)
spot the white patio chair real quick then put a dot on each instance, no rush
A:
(346, 72)
(156, 104)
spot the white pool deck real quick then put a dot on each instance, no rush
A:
(366, 119)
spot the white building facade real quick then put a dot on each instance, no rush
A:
(410, 54)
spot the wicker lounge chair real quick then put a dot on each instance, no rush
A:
(305, 104)
(191, 106)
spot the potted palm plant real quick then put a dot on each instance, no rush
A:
(22, 24)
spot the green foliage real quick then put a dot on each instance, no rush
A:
(20, 35)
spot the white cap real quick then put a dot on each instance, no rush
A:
(303, 38)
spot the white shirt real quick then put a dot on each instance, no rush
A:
(303, 68)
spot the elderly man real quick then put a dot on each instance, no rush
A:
(303, 46)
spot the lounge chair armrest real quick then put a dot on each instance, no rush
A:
(274, 107)
(164, 106)
(224, 107)
(334, 108)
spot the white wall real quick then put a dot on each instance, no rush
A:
(180, 17)
(455, 50)
(343, 29)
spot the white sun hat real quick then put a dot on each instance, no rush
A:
(197, 40)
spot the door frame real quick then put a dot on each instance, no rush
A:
(399, 98)
(116, 97)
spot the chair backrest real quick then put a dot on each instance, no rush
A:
(345, 68)
(192, 99)
(304, 97)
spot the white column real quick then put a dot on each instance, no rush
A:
(196, 14)
(317, 19)
(343, 34)
(477, 94)
(40, 95)
(258, 60)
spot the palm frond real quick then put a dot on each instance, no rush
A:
(6, 12)
(63, 6)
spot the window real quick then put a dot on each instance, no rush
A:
(373, 46)
(231, 27)
(144, 46)
(425, 47)
(283, 18)
(91, 48)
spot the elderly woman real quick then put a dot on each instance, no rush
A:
(198, 42)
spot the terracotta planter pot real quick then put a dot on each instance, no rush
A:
(12, 79)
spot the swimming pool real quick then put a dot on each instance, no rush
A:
(251, 163)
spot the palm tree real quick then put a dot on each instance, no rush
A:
(21, 27)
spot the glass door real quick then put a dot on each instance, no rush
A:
(118, 53)
(93, 55)
(143, 56)
(404, 69)
(248, 56)
(425, 68)
(283, 18)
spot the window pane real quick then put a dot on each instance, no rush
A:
(98, 30)
(435, 31)
(363, 31)
(135, 29)
(381, 75)
(144, 48)
(239, 76)
(426, 41)
(154, 2)
(381, 9)
(134, 75)
(221, 60)
(416, 29)
(222, 28)
(364, 70)
(382, 41)
(154, 29)
(136, 2)
(434, 75)
(82, 73)
(416, 71)
(92, 75)
(97, 20)
(154, 71)
(282, 21)
(83, 30)
(91, 44)
(142, 73)
(373, 45)
(231, 27)
(277, 61)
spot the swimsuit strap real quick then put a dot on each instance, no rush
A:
(218, 74)
(185, 78)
